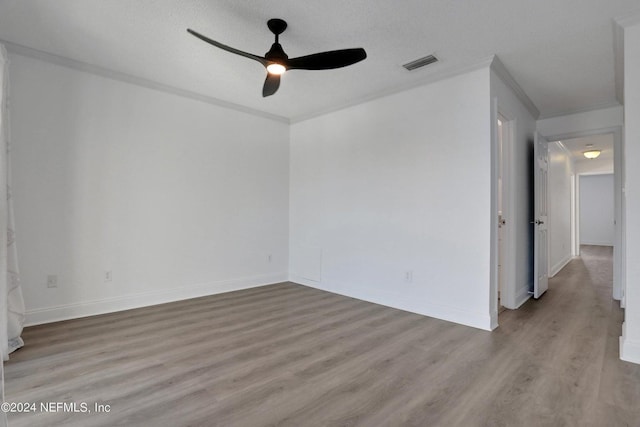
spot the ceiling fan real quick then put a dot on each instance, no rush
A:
(277, 62)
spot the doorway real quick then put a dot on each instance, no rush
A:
(594, 201)
(503, 263)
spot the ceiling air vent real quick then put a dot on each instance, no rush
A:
(421, 62)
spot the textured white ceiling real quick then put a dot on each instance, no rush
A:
(561, 52)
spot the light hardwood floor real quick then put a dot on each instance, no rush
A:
(295, 356)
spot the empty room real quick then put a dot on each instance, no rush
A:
(220, 213)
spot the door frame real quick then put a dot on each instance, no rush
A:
(508, 209)
(619, 282)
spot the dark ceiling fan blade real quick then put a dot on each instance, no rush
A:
(276, 61)
(327, 60)
(271, 85)
(260, 59)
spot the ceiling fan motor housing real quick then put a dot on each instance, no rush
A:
(276, 54)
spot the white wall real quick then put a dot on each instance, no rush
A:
(519, 206)
(589, 166)
(178, 198)
(630, 342)
(559, 218)
(581, 122)
(596, 210)
(395, 185)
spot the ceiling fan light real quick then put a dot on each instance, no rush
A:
(276, 69)
(591, 154)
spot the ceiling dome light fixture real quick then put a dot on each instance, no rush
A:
(591, 154)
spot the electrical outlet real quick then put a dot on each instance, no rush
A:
(108, 276)
(52, 281)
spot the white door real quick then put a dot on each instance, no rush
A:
(540, 257)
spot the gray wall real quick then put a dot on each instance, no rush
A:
(596, 210)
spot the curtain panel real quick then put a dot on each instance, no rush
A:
(12, 308)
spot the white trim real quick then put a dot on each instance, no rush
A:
(576, 211)
(509, 287)
(566, 150)
(140, 81)
(508, 209)
(145, 299)
(135, 80)
(618, 60)
(560, 265)
(586, 123)
(619, 250)
(598, 243)
(596, 173)
(493, 321)
(596, 107)
(294, 278)
(503, 73)
(628, 20)
(438, 311)
(494, 254)
(575, 247)
(524, 295)
(443, 74)
(629, 350)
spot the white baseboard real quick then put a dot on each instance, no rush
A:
(439, 311)
(597, 243)
(629, 349)
(145, 299)
(560, 265)
(494, 321)
(306, 282)
(523, 296)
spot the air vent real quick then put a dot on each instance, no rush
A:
(421, 62)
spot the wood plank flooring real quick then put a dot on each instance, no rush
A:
(289, 355)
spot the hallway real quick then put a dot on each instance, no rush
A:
(573, 332)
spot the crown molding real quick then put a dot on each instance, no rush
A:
(618, 60)
(135, 80)
(619, 24)
(499, 68)
(564, 148)
(443, 74)
(628, 20)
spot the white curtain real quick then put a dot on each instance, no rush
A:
(11, 302)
